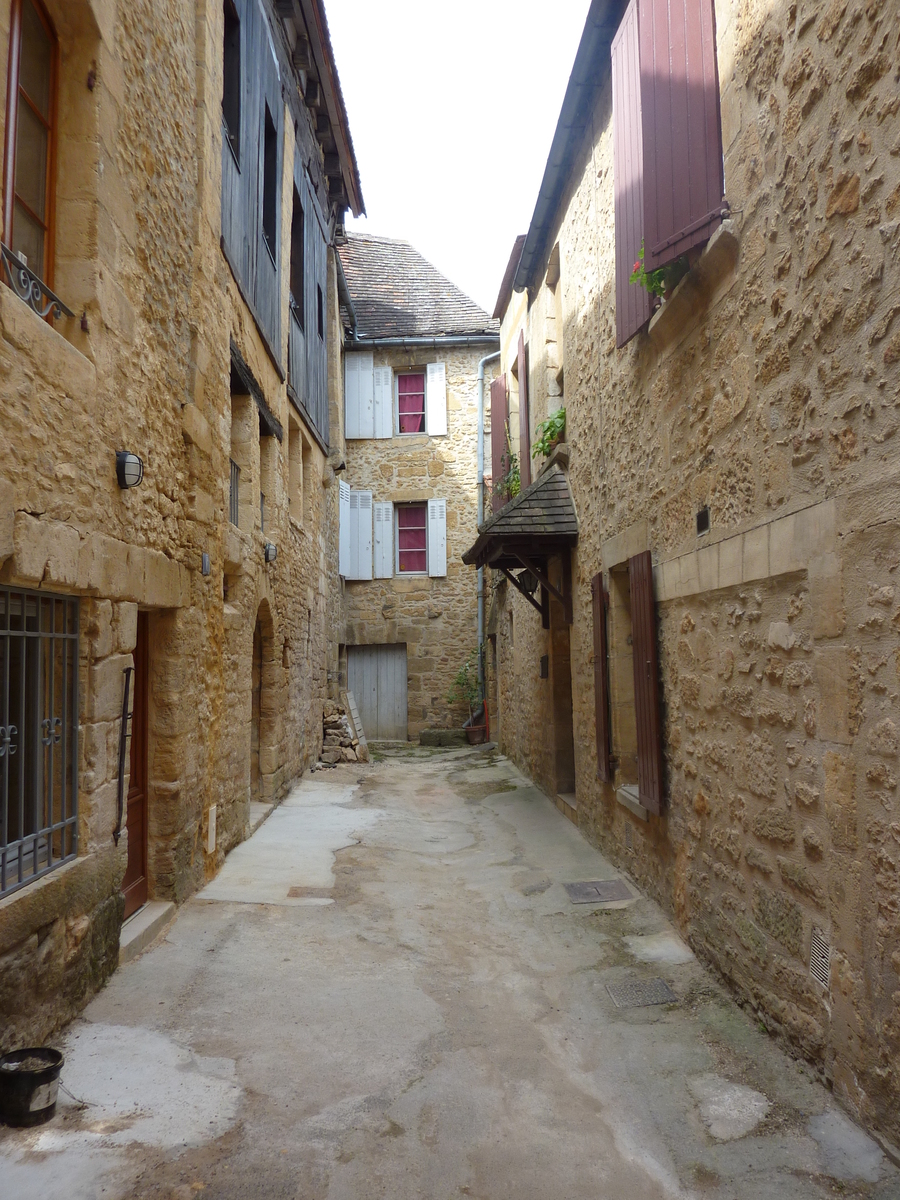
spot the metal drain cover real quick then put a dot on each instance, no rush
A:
(598, 891)
(634, 994)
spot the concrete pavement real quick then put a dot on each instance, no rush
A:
(387, 992)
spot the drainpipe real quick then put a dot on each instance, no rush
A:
(488, 358)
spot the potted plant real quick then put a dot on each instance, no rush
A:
(509, 484)
(549, 434)
(661, 282)
(466, 689)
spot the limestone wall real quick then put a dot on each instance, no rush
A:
(775, 406)
(436, 618)
(139, 254)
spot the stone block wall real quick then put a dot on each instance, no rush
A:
(436, 618)
(139, 180)
(772, 400)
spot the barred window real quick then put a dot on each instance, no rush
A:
(38, 734)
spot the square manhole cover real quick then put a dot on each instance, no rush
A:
(633, 994)
(598, 891)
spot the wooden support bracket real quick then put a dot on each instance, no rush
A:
(531, 600)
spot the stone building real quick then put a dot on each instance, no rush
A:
(175, 175)
(717, 655)
(414, 347)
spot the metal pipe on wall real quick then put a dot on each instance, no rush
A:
(487, 358)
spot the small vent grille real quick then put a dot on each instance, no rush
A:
(629, 837)
(820, 958)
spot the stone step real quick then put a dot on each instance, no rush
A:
(567, 805)
(142, 927)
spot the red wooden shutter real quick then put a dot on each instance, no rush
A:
(524, 428)
(601, 680)
(683, 171)
(632, 302)
(646, 682)
(498, 438)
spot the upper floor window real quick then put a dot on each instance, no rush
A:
(29, 168)
(298, 260)
(270, 184)
(667, 143)
(231, 78)
(411, 403)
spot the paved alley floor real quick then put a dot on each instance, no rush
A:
(387, 992)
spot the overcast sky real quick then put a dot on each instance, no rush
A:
(452, 109)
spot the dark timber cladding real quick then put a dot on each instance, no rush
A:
(646, 682)
(257, 272)
(632, 301)
(682, 142)
(601, 679)
(306, 349)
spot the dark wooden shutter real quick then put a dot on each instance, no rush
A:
(601, 679)
(632, 301)
(682, 134)
(646, 682)
(498, 438)
(524, 427)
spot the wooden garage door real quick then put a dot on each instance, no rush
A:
(376, 675)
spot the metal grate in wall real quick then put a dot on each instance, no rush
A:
(820, 957)
(38, 734)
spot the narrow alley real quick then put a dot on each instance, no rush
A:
(388, 992)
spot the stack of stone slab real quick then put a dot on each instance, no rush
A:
(341, 743)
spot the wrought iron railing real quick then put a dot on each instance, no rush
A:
(30, 288)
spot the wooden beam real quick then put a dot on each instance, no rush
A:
(531, 600)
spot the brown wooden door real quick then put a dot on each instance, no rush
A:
(134, 885)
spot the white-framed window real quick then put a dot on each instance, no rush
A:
(420, 401)
(378, 406)
(420, 537)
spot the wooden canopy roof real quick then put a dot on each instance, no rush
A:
(538, 524)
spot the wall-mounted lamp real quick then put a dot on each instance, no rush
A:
(270, 552)
(527, 582)
(129, 469)
(341, 466)
(204, 564)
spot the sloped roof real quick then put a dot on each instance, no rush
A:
(398, 293)
(539, 521)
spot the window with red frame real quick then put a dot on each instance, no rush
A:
(412, 539)
(411, 403)
(31, 137)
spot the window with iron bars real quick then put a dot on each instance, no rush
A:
(38, 734)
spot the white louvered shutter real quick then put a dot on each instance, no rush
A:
(353, 537)
(436, 399)
(364, 536)
(344, 528)
(384, 402)
(437, 537)
(358, 395)
(384, 539)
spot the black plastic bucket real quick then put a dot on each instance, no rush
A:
(29, 1084)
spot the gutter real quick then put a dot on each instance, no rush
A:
(589, 72)
(418, 343)
(344, 294)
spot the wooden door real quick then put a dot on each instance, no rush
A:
(255, 713)
(134, 885)
(376, 675)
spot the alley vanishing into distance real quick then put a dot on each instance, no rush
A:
(388, 992)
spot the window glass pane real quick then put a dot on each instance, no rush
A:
(411, 537)
(28, 239)
(411, 403)
(31, 161)
(37, 57)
